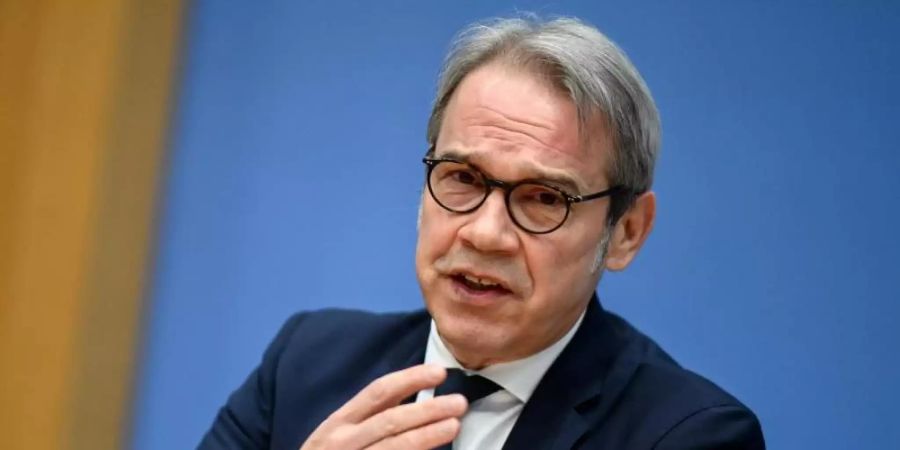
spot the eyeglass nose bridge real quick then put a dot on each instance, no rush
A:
(490, 184)
(506, 188)
(502, 185)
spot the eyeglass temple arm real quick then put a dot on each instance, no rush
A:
(583, 198)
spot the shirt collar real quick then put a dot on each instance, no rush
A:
(520, 377)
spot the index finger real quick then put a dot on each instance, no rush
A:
(389, 390)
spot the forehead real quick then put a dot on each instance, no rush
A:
(516, 124)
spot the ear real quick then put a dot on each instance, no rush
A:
(631, 231)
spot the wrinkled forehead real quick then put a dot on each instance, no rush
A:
(592, 122)
(518, 118)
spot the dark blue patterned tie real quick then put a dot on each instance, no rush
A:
(473, 387)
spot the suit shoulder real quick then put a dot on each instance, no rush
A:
(342, 316)
(664, 395)
(342, 338)
(332, 323)
(659, 376)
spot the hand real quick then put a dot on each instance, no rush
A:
(375, 420)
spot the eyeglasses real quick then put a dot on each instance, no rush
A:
(533, 206)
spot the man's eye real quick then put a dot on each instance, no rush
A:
(464, 177)
(548, 198)
(538, 196)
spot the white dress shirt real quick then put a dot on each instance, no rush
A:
(488, 422)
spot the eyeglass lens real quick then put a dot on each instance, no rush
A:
(461, 188)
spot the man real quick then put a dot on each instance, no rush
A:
(543, 139)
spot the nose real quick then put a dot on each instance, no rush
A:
(489, 228)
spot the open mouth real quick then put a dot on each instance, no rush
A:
(479, 285)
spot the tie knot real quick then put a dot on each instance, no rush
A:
(473, 387)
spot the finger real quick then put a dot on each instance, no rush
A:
(424, 438)
(389, 390)
(400, 419)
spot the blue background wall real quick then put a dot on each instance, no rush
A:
(772, 268)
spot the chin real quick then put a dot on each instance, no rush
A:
(475, 339)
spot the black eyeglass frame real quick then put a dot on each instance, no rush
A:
(507, 187)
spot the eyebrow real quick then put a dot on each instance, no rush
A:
(564, 182)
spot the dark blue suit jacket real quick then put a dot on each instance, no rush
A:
(611, 388)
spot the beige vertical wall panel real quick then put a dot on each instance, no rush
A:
(84, 97)
(122, 248)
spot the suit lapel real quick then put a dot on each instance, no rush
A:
(409, 350)
(576, 391)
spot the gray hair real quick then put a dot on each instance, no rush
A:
(580, 60)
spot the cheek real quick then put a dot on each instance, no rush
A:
(436, 234)
(544, 265)
(556, 265)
